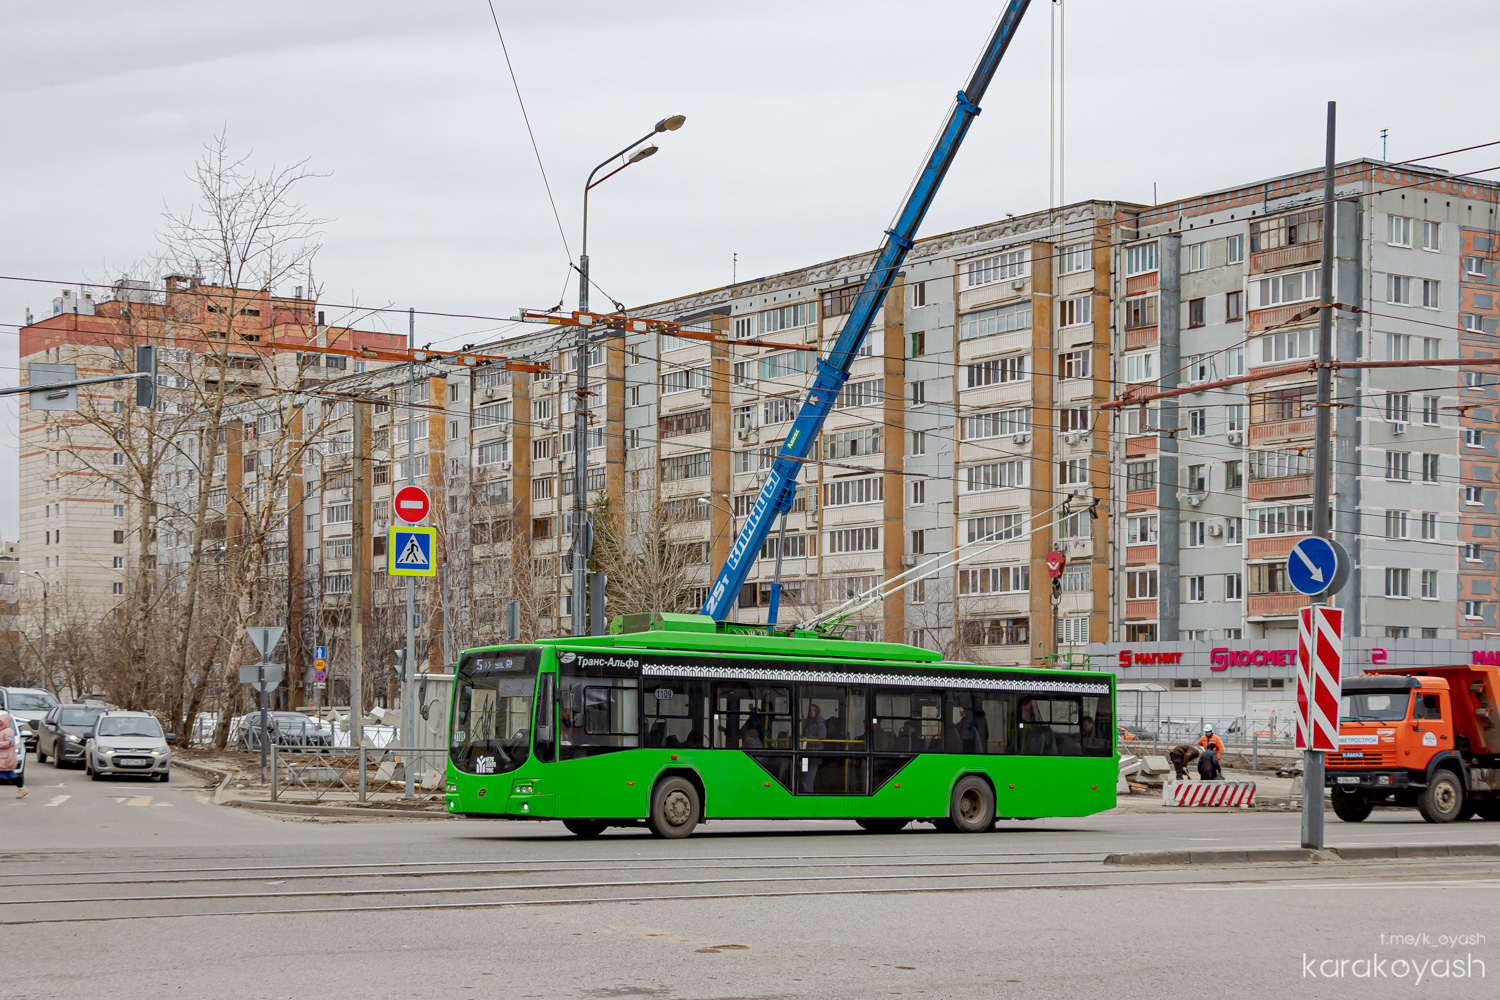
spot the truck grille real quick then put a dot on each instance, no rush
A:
(1371, 757)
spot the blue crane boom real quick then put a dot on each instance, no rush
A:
(780, 489)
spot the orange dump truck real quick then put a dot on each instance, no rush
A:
(1419, 736)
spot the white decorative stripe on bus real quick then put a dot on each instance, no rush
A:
(898, 680)
(1208, 793)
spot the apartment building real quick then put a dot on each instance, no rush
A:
(972, 415)
(1219, 482)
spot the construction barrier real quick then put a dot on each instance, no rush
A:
(1208, 793)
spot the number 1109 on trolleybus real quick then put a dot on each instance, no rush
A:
(671, 720)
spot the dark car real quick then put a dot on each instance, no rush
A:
(288, 729)
(64, 731)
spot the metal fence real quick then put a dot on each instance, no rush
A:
(359, 774)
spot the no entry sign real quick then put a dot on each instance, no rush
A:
(412, 504)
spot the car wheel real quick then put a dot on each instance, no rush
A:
(41, 755)
(95, 775)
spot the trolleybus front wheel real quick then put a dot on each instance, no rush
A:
(972, 806)
(586, 827)
(675, 808)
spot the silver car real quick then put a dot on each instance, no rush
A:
(128, 743)
(27, 706)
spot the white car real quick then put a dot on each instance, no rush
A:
(28, 707)
(128, 743)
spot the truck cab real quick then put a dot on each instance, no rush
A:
(1417, 737)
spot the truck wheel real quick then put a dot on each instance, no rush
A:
(972, 806)
(1351, 807)
(1443, 800)
(674, 809)
(585, 827)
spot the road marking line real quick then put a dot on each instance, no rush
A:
(58, 800)
(160, 804)
(139, 800)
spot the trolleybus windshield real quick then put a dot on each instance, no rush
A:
(492, 710)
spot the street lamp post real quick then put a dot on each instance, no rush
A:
(39, 576)
(581, 410)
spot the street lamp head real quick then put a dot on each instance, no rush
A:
(671, 124)
(641, 154)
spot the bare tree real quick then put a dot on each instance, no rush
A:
(641, 546)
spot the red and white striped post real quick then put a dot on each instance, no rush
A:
(1320, 663)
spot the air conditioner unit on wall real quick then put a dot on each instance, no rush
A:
(1194, 499)
(504, 466)
(1235, 437)
(1216, 530)
(908, 561)
(1398, 427)
(1073, 437)
(1020, 438)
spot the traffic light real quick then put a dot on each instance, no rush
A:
(145, 364)
(400, 665)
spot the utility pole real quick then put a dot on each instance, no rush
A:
(408, 682)
(357, 582)
(580, 446)
(44, 629)
(1312, 760)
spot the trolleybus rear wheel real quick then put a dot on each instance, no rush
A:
(675, 807)
(972, 806)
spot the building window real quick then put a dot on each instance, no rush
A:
(1195, 313)
(119, 589)
(119, 510)
(1140, 585)
(1004, 319)
(1429, 293)
(995, 580)
(1233, 530)
(1398, 465)
(1474, 496)
(851, 492)
(853, 540)
(1195, 534)
(1473, 611)
(1140, 476)
(1429, 468)
(1429, 584)
(918, 393)
(1234, 306)
(1141, 633)
(119, 562)
(1395, 524)
(1197, 423)
(1430, 411)
(918, 294)
(1398, 230)
(1075, 258)
(1195, 590)
(1075, 311)
(1074, 364)
(1473, 552)
(1140, 312)
(541, 488)
(1140, 530)
(1140, 366)
(919, 442)
(1398, 289)
(994, 476)
(118, 458)
(997, 632)
(1473, 437)
(1398, 407)
(1432, 236)
(1234, 249)
(1284, 289)
(999, 423)
(1234, 587)
(1197, 478)
(1234, 475)
(1073, 472)
(1197, 257)
(1002, 267)
(1429, 525)
(996, 371)
(918, 492)
(1397, 582)
(1140, 259)
(678, 467)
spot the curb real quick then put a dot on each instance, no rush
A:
(224, 797)
(1273, 855)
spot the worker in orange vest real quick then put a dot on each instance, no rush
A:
(1210, 741)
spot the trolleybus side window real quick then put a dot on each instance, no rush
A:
(907, 720)
(546, 713)
(600, 711)
(1097, 735)
(831, 733)
(752, 716)
(676, 712)
(975, 722)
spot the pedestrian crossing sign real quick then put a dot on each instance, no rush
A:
(408, 551)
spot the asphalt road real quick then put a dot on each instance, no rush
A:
(131, 889)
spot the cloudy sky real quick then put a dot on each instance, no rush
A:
(805, 121)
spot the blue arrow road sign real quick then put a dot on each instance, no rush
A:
(409, 551)
(320, 652)
(1311, 565)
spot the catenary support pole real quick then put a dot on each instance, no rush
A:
(580, 444)
(1312, 760)
(408, 683)
(358, 589)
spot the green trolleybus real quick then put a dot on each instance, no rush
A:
(671, 720)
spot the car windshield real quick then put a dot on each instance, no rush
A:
(130, 725)
(79, 716)
(30, 701)
(1374, 706)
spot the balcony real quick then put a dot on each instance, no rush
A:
(1257, 320)
(1279, 431)
(1141, 283)
(1140, 499)
(1140, 610)
(1140, 337)
(1272, 260)
(1140, 555)
(1274, 605)
(1140, 446)
(1275, 547)
(1276, 489)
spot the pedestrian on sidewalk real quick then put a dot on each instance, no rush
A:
(11, 748)
(1181, 756)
